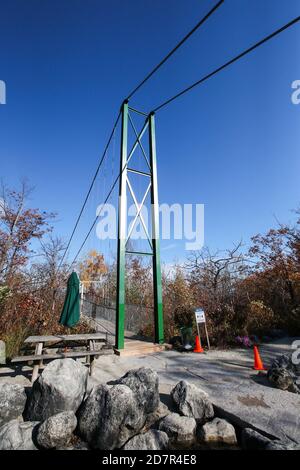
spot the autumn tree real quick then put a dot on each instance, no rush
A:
(276, 274)
(138, 282)
(27, 274)
(92, 268)
(92, 273)
(178, 299)
(19, 227)
(213, 280)
(47, 279)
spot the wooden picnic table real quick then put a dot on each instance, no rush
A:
(41, 341)
(56, 338)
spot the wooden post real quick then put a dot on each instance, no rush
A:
(88, 358)
(35, 372)
(92, 358)
(208, 343)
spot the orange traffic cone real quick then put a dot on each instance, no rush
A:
(258, 364)
(198, 348)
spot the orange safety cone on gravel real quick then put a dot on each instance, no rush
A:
(258, 364)
(198, 348)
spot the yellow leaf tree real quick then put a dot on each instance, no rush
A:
(92, 268)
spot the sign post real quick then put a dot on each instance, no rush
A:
(200, 319)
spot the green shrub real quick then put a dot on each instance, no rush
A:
(14, 340)
(184, 316)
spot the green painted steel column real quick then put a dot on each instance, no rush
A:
(157, 288)
(122, 221)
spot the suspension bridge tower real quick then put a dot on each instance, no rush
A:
(148, 129)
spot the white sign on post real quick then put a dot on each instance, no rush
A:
(200, 315)
(200, 318)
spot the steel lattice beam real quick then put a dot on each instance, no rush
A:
(123, 237)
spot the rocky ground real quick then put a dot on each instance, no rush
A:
(61, 412)
(229, 379)
(260, 414)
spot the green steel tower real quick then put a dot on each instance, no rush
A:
(123, 236)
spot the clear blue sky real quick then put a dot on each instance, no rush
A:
(232, 144)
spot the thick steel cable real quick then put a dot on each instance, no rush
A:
(230, 62)
(90, 189)
(186, 37)
(198, 82)
(109, 194)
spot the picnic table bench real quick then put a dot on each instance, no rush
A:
(40, 341)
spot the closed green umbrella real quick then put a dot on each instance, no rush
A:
(71, 310)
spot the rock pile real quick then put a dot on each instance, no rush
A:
(192, 402)
(284, 374)
(61, 387)
(126, 414)
(12, 402)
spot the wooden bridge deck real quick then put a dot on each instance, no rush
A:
(134, 347)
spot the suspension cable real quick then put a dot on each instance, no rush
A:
(186, 37)
(222, 67)
(110, 192)
(90, 189)
(162, 105)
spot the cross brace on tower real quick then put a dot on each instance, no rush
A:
(123, 236)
